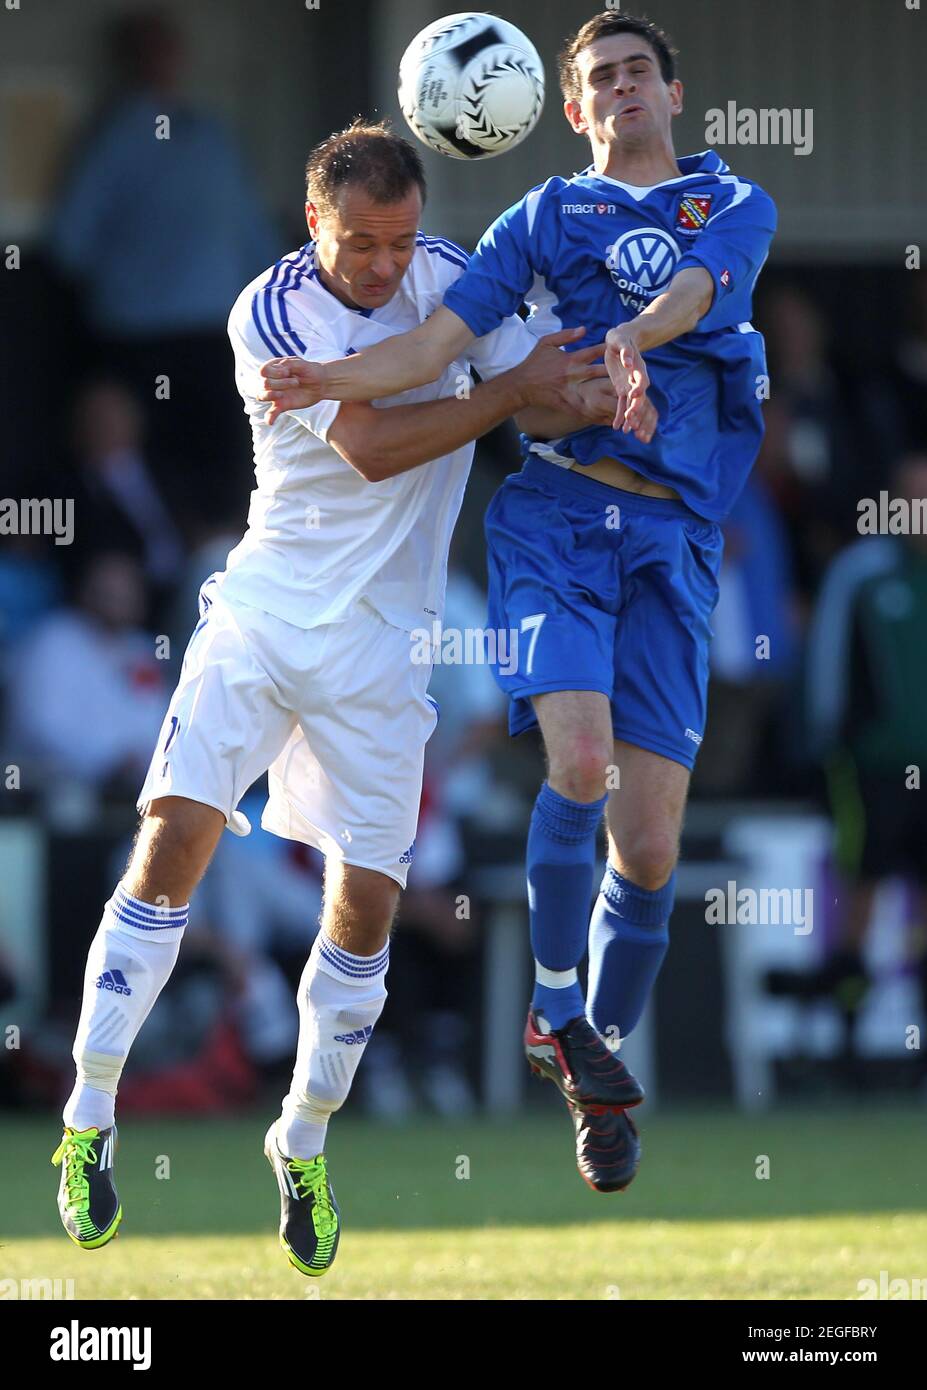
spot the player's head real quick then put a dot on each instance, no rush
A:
(619, 84)
(365, 190)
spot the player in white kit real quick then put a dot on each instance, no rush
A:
(301, 663)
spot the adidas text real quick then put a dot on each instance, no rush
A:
(360, 1036)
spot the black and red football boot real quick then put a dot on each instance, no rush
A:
(581, 1065)
(608, 1148)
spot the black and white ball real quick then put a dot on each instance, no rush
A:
(471, 86)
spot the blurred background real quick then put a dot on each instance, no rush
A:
(123, 256)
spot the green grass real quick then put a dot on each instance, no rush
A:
(846, 1198)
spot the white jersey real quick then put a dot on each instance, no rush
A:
(319, 536)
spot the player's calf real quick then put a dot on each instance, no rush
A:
(135, 948)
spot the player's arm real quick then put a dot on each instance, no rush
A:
(710, 291)
(397, 364)
(380, 442)
(595, 405)
(675, 312)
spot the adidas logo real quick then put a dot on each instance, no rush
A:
(359, 1036)
(407, 857)
(115, 981)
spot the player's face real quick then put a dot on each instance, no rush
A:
(363, 247)
(624, 101)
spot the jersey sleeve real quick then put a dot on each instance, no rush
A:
(732, 248)
(265, 324)
(499, 273)
(506, 347)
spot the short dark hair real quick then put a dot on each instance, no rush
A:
(364, 153)
(611, 22)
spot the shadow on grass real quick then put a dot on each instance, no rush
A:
(698, 1165)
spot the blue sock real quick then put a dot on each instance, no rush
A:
(628, 938)
(561, 865)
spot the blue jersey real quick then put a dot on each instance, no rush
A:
(594, 251)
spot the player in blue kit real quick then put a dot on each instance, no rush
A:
(604, 550)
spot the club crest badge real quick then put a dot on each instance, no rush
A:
(692, 213)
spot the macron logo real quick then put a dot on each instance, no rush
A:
(115, 981)
(360, 1036)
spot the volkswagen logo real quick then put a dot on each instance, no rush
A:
(643, 261)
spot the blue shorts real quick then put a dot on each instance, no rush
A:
(603, 590)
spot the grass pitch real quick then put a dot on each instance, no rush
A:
(484, 1210)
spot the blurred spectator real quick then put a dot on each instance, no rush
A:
(86, 693)
(115, 491)
(908, 369)
(754, 648)
(162, 227)
(813, 458)
(867, 671)
(29, 587)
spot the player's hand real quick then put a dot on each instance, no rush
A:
(547, 376)
(594, 404)
(291, 383)
(628, 375)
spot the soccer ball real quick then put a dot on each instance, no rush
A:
(471, 86)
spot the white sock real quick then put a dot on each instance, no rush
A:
(130, 961)
(341, 996)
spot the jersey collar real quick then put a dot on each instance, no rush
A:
(691, 164)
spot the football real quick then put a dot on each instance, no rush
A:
(471, 86)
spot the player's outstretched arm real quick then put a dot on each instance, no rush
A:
(672, 314)
(381, 442)
(397, 364)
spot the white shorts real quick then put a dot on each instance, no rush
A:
(338, 714)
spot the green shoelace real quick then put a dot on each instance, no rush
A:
(312, 1181)
(75, 1150)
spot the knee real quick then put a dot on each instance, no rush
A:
(363, 934)
(175, 843)
(578, 770)
(360, 911)
(648, 857)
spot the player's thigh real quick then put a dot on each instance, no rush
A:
(663, 635)
(553, 593)
(175, 842)
(645, 813)
(349, 779)
(226, 721)
(576, 726)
